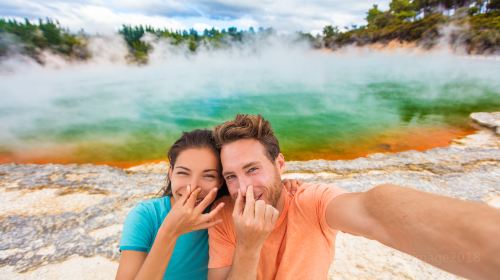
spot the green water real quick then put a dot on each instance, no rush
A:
(317, 103)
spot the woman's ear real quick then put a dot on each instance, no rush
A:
(170, 172)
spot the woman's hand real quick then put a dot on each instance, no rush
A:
(291, 185)
(185, 216)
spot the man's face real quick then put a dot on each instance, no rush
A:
(244, 163)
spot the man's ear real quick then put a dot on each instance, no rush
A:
(280, 162)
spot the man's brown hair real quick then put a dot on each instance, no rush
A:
(248, 127)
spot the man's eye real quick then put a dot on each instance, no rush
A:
(230, 177)
(253, 169)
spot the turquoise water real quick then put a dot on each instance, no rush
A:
(321, 105)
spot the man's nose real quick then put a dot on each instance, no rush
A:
(243, 185)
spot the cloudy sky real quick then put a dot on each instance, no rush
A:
(107, 16)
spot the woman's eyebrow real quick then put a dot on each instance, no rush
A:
(210, 170)
(182, 167)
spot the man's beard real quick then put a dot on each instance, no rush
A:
(275, 190)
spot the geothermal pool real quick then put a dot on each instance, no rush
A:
(322, 105)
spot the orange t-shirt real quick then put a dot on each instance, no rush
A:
(301, 246)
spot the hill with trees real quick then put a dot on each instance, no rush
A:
(474, 25)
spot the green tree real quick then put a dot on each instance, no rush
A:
(192, 45)
(373, 13)
(426, 6)
(51, 32)
(402, 9)
(330, 31)
(377, 18)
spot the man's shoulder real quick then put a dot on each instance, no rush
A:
(308, 191)
(311, 201)
(313, 186)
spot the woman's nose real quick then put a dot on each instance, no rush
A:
(195, 183)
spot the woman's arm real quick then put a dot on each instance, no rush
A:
(184, 217)
(141, 265)
(154, 265)
(130, 263)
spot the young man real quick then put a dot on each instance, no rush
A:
(268, 233)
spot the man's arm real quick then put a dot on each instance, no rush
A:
(218, 273)
(253, 222)
(245, 265)
(458, 236)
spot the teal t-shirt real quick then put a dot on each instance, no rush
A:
(190, 256)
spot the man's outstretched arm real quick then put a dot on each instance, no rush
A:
(458, 236)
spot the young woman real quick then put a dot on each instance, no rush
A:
(166, 237)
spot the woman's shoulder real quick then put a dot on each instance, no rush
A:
(154, 207)
(142, 223)
(163, 202)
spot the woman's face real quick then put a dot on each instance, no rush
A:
(197, 167)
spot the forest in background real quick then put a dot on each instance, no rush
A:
(474, 25)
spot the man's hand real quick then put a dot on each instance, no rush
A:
(253, 220)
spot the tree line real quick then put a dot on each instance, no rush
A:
(191, 39)
(405, 20)
(30, 39)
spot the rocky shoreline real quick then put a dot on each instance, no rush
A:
(64, 221)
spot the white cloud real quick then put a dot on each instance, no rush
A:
(107, 16)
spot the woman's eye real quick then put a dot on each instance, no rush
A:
(210, 176)
(182, 173)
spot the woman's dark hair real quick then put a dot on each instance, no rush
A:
(198, 138)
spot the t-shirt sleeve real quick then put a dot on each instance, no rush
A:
(316, 198)
(137, 234)
(327, 193)
(221, 239)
